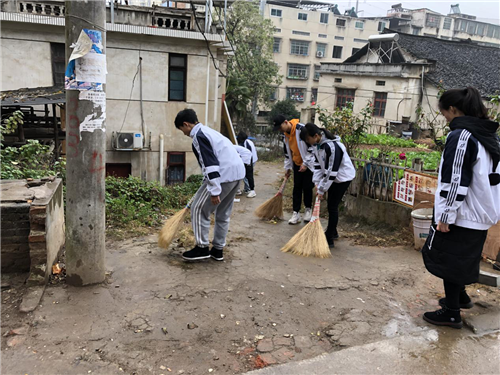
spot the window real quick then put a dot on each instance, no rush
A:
(302, 16)
(480, 29)
(58, 55)
(339, 37)
(323, 18)
(447, 23)
(432, 20)
(320, 49)
(274, 95)
(338, 80)
(471, 28)
(295, 93)
(298, 71)
(322, 36)
(303, 33)
(276, 30)
(119, 170)
(177, 77)
(340, 22)
(496, 34)
(277, 45)
(379, 104)
(354, 50)
(299, 47)
(381, 26)
(276, 12)
(360, 40)
(176, 170)
(314, 96)
(360, 25)
(445, 38)
(380, 83)
(344, 96)
(463, 26)
(317, 68)
(337, 52)
(416, 31)
(490, 31)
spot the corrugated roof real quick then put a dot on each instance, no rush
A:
(33, 96)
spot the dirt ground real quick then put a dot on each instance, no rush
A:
(156, 314)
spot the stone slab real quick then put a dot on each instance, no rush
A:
(484, 323)
(15, 191)
(32, 299)
(489, 278)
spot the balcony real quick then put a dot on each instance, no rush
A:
(299, 78)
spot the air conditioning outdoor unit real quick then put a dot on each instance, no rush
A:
(319, 54)
(129, 141)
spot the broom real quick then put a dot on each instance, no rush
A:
(272, 207)
(310, 240)
(172, 226)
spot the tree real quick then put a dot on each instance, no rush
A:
(286, 108)
(238, 98)
(252, 65)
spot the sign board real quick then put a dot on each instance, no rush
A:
(412, 182)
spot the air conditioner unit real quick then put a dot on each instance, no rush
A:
(129, 141)
(319, 54)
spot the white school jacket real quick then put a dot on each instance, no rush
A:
(218, 159)
(251, 146)
(307, 157)
(245, 154)
(332, 164)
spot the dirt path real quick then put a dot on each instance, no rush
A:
(159, 315)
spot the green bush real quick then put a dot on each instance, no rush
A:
(431, 159)
(387, 140)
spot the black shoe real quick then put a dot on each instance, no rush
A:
(331, 242)
(198, 253)
(444, 317)
(217, 254)
(462, 304)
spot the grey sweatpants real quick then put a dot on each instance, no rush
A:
(202, 208)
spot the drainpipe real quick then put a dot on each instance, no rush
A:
(112, 11)
(142, 109)
(421, 99)
(397, 110)
(162, 170)
(208, 89)
(216, 82)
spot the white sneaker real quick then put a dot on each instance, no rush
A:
(251, 194)
(296, 219)
(239, 192)
(307, 215)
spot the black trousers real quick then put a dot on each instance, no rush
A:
(454, 293)
(302, 184)
(335, 194)
(249, 176)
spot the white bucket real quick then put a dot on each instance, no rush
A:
(422, 220)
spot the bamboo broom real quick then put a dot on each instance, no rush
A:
(310, 240)
(172, 226)
(272, 207)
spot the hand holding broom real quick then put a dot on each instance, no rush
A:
(172, 226)
(272, 207)
(310, 240)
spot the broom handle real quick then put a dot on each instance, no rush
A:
(190, 202)
(315, 214)
(282, 187)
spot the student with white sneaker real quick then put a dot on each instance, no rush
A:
(249, 181)
(300, 160)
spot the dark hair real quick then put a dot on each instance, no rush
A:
(311, 130)
(241, 137)
(467, 100)
(186, 115)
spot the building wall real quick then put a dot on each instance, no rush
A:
(123, 51)
(288, 22)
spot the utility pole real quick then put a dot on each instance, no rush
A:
(86, 153)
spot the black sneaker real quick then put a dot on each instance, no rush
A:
(217, 254)
(462, 304)
(331, 242)
(198, 253)
(444, 317)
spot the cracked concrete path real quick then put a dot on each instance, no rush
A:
(260, 307)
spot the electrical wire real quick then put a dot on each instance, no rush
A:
(130, 97)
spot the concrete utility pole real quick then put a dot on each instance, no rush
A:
(85, 169)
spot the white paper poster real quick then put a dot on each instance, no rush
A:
(96, 120)
(91, 68)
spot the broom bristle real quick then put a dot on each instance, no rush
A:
(271, 208)
(309, 241)
(170, 228)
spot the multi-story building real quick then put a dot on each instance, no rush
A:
(454, 26)
(308, 35)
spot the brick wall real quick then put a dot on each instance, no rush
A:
(15, 232)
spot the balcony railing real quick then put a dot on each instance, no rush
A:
(46, 8)
(177, 23)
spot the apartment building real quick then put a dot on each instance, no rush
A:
(308, 35)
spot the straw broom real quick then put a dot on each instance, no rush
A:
(310, 240)
(272, 207)
(172, 226)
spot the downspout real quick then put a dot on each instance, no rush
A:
(112, 11)
(421, 97)
(208, 89)
(142, 109)
(162, 170)
(216, 79)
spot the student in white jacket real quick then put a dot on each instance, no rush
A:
(467, 201)
(223, 170)
(243, 141)
(333, 172)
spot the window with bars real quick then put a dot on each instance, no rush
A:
(431, 20)
(447, 23)
(338, 80)
(176, 168)
(177, 71)
(276, 12)
(314, 96)
(317, 68)
(381, 26)
(337, 52)
(303, 33)
(323, 18)
(380, 83)
(295, 93)
(302, 16)
(276, 30)
(320, 49)
(345, 96)
(379, 104)
(360, 25)
(298, 71)
(299, 47)
(277, 45)
(58, 51)
(340, 22)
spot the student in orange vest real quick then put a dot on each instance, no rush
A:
(299, 160)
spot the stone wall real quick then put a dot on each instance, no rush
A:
(15, 232)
